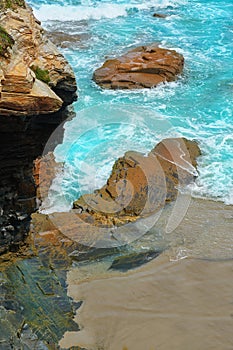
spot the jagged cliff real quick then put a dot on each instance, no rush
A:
(36, 85)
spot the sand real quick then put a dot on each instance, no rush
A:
(182, 300)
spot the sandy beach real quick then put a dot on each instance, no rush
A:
(180, 300)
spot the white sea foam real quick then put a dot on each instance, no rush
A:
(92, 11)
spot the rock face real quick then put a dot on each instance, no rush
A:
(143, 67)
(29, 57)
(139, 185)
(36, 83)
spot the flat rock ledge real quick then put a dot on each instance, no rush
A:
(142, 67)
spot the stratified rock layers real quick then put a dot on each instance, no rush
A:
(36, 83)
(143, 67)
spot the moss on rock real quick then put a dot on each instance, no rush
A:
(6, 41)
(41, 74)
(12, 4)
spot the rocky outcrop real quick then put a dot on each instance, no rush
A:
(143, 67)
(36, 84)
(35, 77)
(139, 185)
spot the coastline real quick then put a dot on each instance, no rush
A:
(188, 287)
(59, 292)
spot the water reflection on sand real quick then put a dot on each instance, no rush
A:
(181, 300)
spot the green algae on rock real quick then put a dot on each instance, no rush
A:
(6, 41)
(41, 74)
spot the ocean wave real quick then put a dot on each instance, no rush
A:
(52, 12)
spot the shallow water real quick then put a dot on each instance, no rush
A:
(186, 304)
(180, 300)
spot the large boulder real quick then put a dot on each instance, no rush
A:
(141, 184)
(142, 67)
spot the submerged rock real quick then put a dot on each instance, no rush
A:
(159, 15)
(140, 184)
(133, 260)
(67, 40)
(142, 67)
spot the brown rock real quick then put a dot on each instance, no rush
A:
(40, 100)
(159, 15)
(30, 110)
(143, 67)
(177, 158)
(44, 172)
(29, 46)
(139, 185)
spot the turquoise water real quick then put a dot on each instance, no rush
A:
(107, 123)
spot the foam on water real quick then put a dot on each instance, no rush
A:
(84, 10)
(199, 105)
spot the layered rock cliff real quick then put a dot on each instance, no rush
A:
(36, 85)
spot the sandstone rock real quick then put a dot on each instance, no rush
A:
(45, 169)
(139, 185)
(143, 67)
(177, 157)
(30, 47)
(40, 100)
(30, 110)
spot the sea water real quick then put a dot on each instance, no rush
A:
(198, 105)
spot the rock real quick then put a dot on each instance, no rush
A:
(40, 100)
(67, 40)
(131, 261)
(177, 158)
(36, 84)
(139, 185)
(6, 43)
(159, 15)
(45, 169)
(143, 67)
(28, 46)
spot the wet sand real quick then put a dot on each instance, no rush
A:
(181, 300)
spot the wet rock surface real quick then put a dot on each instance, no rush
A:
(22, 141)
(159, 15)
(67, 40)
(34, 307)
(142, 67)
(141, 184)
